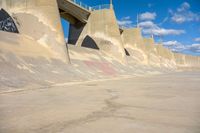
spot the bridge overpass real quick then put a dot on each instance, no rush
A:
(74, 12)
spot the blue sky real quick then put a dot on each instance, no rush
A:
(174, 22)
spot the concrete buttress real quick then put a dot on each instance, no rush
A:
(101, 29)
(39, 20)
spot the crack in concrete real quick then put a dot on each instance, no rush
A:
(108, 111)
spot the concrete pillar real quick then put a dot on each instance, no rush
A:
(132, 38)
(188, 60)
(102, 27)
(180, 59)
(150, 45)
(40, 20)
(133, 42)
(164, 52)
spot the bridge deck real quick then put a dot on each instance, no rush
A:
(72, 11)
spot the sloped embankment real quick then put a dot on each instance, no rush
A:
(25, 63)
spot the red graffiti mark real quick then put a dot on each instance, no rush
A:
(106, 68)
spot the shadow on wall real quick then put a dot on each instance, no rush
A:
(75, 31)
(88, 42)
(7, 23)
(127, 53)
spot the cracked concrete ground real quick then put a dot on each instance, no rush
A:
(155, 104)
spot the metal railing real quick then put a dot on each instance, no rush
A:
(89, 8)
(100, 7)
(128, 26)
(81, 4)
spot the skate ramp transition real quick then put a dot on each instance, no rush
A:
(34, 54)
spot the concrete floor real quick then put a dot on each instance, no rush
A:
(167, 103)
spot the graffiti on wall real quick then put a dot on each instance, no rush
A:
(7, 23)
(104, 67)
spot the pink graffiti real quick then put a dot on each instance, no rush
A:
(105, 67)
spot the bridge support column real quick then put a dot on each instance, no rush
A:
(103, 29)
(133, 42)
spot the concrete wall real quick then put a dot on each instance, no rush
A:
(191, 61)
(151, 52)
(187, 60)
(164, 52)
(156, 53)
(103, 29)
(39, 20)
(133, 38)
(134, 44)
(180, 59)
(150, 45)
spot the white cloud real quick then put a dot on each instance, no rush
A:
(184, 6)
(147, 24)
(148, 27)
(147, 16)
(179, 47)
(185, 17)
(164, 32)
(194, 48)
(178, 18)
(183, 14)
(174, 45)
(126, 18)
(171, 43)
(125, 22)
(197, 39)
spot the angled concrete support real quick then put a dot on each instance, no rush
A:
(39, 20)
(133, 42)
(164, 52)
(180, 59)
(132, 37)
(102, 27)
(191, 61)
(151, 51)
(150, 45)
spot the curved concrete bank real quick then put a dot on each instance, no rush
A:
(39, 20)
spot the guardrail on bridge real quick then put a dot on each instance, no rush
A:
(89, 8)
